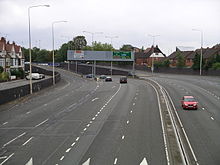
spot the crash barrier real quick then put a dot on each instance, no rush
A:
(87, 69)
(7, 95)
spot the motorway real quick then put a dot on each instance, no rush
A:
(81, 121)
(84, 122)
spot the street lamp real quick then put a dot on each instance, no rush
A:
(152, 65)
(29, 31)
(53, 46)
(200, 66)
(111, 37)
(93, 33)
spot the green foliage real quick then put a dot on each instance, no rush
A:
(196, 62)
(18, 72)
(217, 58)
(61, 54)
(4, 76)
(180, 61)
(216, 66)
(159, 64)
(79, 42)
(1, 69)
(98, 46)
(126, 47)
(166, 63)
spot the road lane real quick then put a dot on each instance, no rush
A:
(203, 132)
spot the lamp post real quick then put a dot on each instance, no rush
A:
(200, 65)
(29, 32)
(152, 65)
(94, 63)
(111, 37)
(53, 46)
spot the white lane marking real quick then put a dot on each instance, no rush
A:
(28, 112)
(58, 99)
(68, 150)
(113, 86)
(62, 158)
(86, 162)
(203, 108)
(77, 138)
(84, 129)
(95, 99)
(135, 98)
(3, 157)
(144, 162)
(98, 112)
(45, 104)
(123, 137)
(93, 118)
(131, 111)
(5, 123)
(212, 118)
(73, 144)
(133, 103)
(115, 161)
(7, 158)
(14, 139)
(41, 123)
(96, 115)
(30, 162)
(27, 141)
(127, 121)
(72, 105)
(90, 122)
(88, 125)
(87, 95)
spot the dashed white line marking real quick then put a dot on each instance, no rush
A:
(41, 123)
(95, 99)
(45, 104)
(77, 138)
(88, 125)
(14, 139)
(212, 118)
(127, 121)
(96, 115)
(203, 108)
(27, 141)
(115, 161)
(93, 118)
(98, 112)
(7, 159)
(84, 129)
(123, 137)
(90, 122)
(113, 87)
(68, 150)
(28, 112)
(73, 144)
(62, 158)
(135, 98)
(133, 103)
(5, 123)
(131, 111)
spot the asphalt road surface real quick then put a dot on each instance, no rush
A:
(80, 121)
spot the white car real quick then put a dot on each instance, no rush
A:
(35, 76)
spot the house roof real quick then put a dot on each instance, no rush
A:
(17, 48)
(8, 47)
(185, 54)
(210, 52)
(148, 52)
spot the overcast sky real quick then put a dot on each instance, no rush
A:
(131, 20)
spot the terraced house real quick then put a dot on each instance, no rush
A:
(11, 56)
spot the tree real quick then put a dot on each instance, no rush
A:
(216, 66)
(61, 54)
(166, 63)
(180, 60)
(217, 58)
(126, 47)
(196, 62)
(1, 69)
(98, 46)
(79, 42)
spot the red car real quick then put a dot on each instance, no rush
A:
(189, 102)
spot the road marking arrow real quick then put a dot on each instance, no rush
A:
(86, 162)
(30, 162)
(144, 162)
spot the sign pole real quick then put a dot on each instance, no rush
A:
(94, 68)
(76, 66)
(111, 68)
(68, 65)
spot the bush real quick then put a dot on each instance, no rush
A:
(216, 66)
(4, 76)
(1, 69)
(18, 72)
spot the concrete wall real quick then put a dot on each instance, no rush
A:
(20, 91)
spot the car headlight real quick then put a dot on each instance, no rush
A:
(186, 104)
(194, 104)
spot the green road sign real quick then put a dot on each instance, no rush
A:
(121, 55)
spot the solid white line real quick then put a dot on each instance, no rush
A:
(27, 141)
(122, 137)
(127, 121)
(41, 123)
(212, 118)
(7, 159)
(5, 123)
(68, 150)
(116, 159)
(62, 158)
(73, 144)
(14, 139)
(77, 138)
(95, 99)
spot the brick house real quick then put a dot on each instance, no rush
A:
(10, 55)
(145, 57)
(173, 58)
